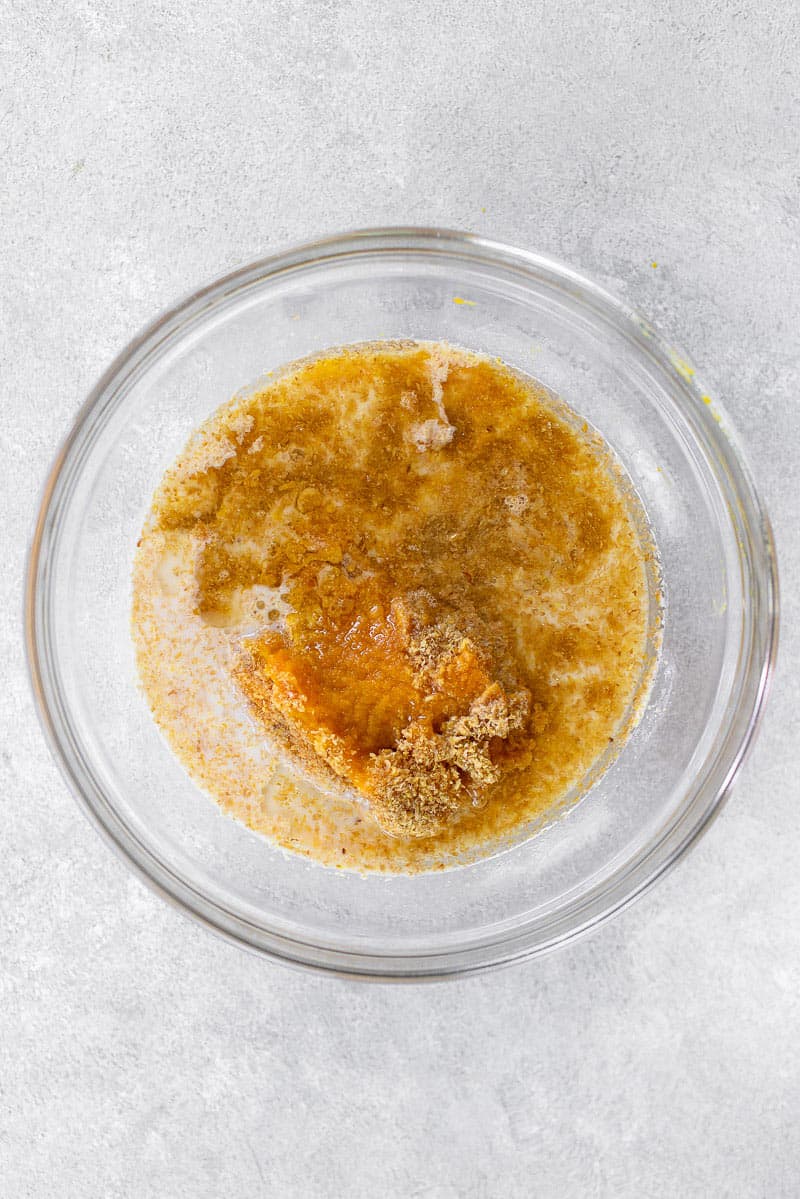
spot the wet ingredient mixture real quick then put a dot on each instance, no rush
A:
(394, 607)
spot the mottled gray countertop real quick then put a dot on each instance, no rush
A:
(148, 147)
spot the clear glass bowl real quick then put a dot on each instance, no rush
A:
(719, 581)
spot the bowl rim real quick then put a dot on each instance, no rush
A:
(757, 552)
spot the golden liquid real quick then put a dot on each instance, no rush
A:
(302, 512)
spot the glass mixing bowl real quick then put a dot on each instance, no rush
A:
(718, 575)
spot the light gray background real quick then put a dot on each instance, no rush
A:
(148, 147)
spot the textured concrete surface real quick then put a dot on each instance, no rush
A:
(147, 147)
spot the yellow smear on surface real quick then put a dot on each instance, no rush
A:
(462, 301)
(684, 369)
(708, 402)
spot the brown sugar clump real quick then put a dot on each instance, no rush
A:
(421, 785)
(395, 700)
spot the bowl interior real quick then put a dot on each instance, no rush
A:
(606, 365)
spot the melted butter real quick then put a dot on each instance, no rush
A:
(384, 471)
